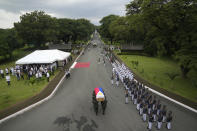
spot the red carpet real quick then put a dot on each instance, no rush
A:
(82, 65)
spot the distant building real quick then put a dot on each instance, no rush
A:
(131, 47)
(64, 47)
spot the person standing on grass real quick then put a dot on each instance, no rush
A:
(48, 75)
(39, 75)
(8, 79)
(168, 120)
(6, 71)
(2, 73)
(22, 75)
(18, 75)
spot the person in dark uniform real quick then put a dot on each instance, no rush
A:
(141, 108)
(164, 111)
(150, 121)
(144, 113)
(95, 103)
(126, 97)
(159, 121)
(150, 104)
(168, 120)
(138, 103)
(104, 105)
(154, 102)
(132, 94)
(135, 98)
(155, 113)
(158, 107)
(96, 107)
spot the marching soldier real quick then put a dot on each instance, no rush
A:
(126, 97)
(154, 102)
(158, 107)
(168, 120)
(135, 98)
(150, 122)
(159, 121)
(164, 111)
(141, 108)
(144, 113)
(154, 114)
(138, 103)
(112, 80)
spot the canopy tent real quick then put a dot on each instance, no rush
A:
(43, 57)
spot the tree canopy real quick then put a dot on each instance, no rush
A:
(164, 27)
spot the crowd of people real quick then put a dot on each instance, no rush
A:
(20, 71)
(147, 104)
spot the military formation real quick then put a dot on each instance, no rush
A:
(149, 107)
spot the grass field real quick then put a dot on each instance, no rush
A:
(19, 90)
(154, 70)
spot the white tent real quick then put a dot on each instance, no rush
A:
(43, 57)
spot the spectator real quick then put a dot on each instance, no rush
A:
(6, 71)
(2, 73)
(48, 75)
(8, 79)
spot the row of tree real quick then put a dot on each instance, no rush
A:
(164, 27)
(37, 28)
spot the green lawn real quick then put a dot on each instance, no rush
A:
(154, 70)
(19, 90)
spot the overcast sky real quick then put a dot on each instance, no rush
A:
(93, 10)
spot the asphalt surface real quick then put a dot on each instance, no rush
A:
(71, 108)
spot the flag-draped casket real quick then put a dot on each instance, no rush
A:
(99, 94)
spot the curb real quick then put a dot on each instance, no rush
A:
(39, 102)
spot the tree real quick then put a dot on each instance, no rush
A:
(104, 28)
(36, 28)
(9, 41)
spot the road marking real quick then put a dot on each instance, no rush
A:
(82, 65)
(39, 102)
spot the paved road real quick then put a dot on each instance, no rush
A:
(71, 108)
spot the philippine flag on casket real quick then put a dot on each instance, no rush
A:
(99, 94)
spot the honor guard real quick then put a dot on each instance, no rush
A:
(144, 113)
(159, 121)
(150, 122)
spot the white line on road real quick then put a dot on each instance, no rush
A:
(170, 99)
